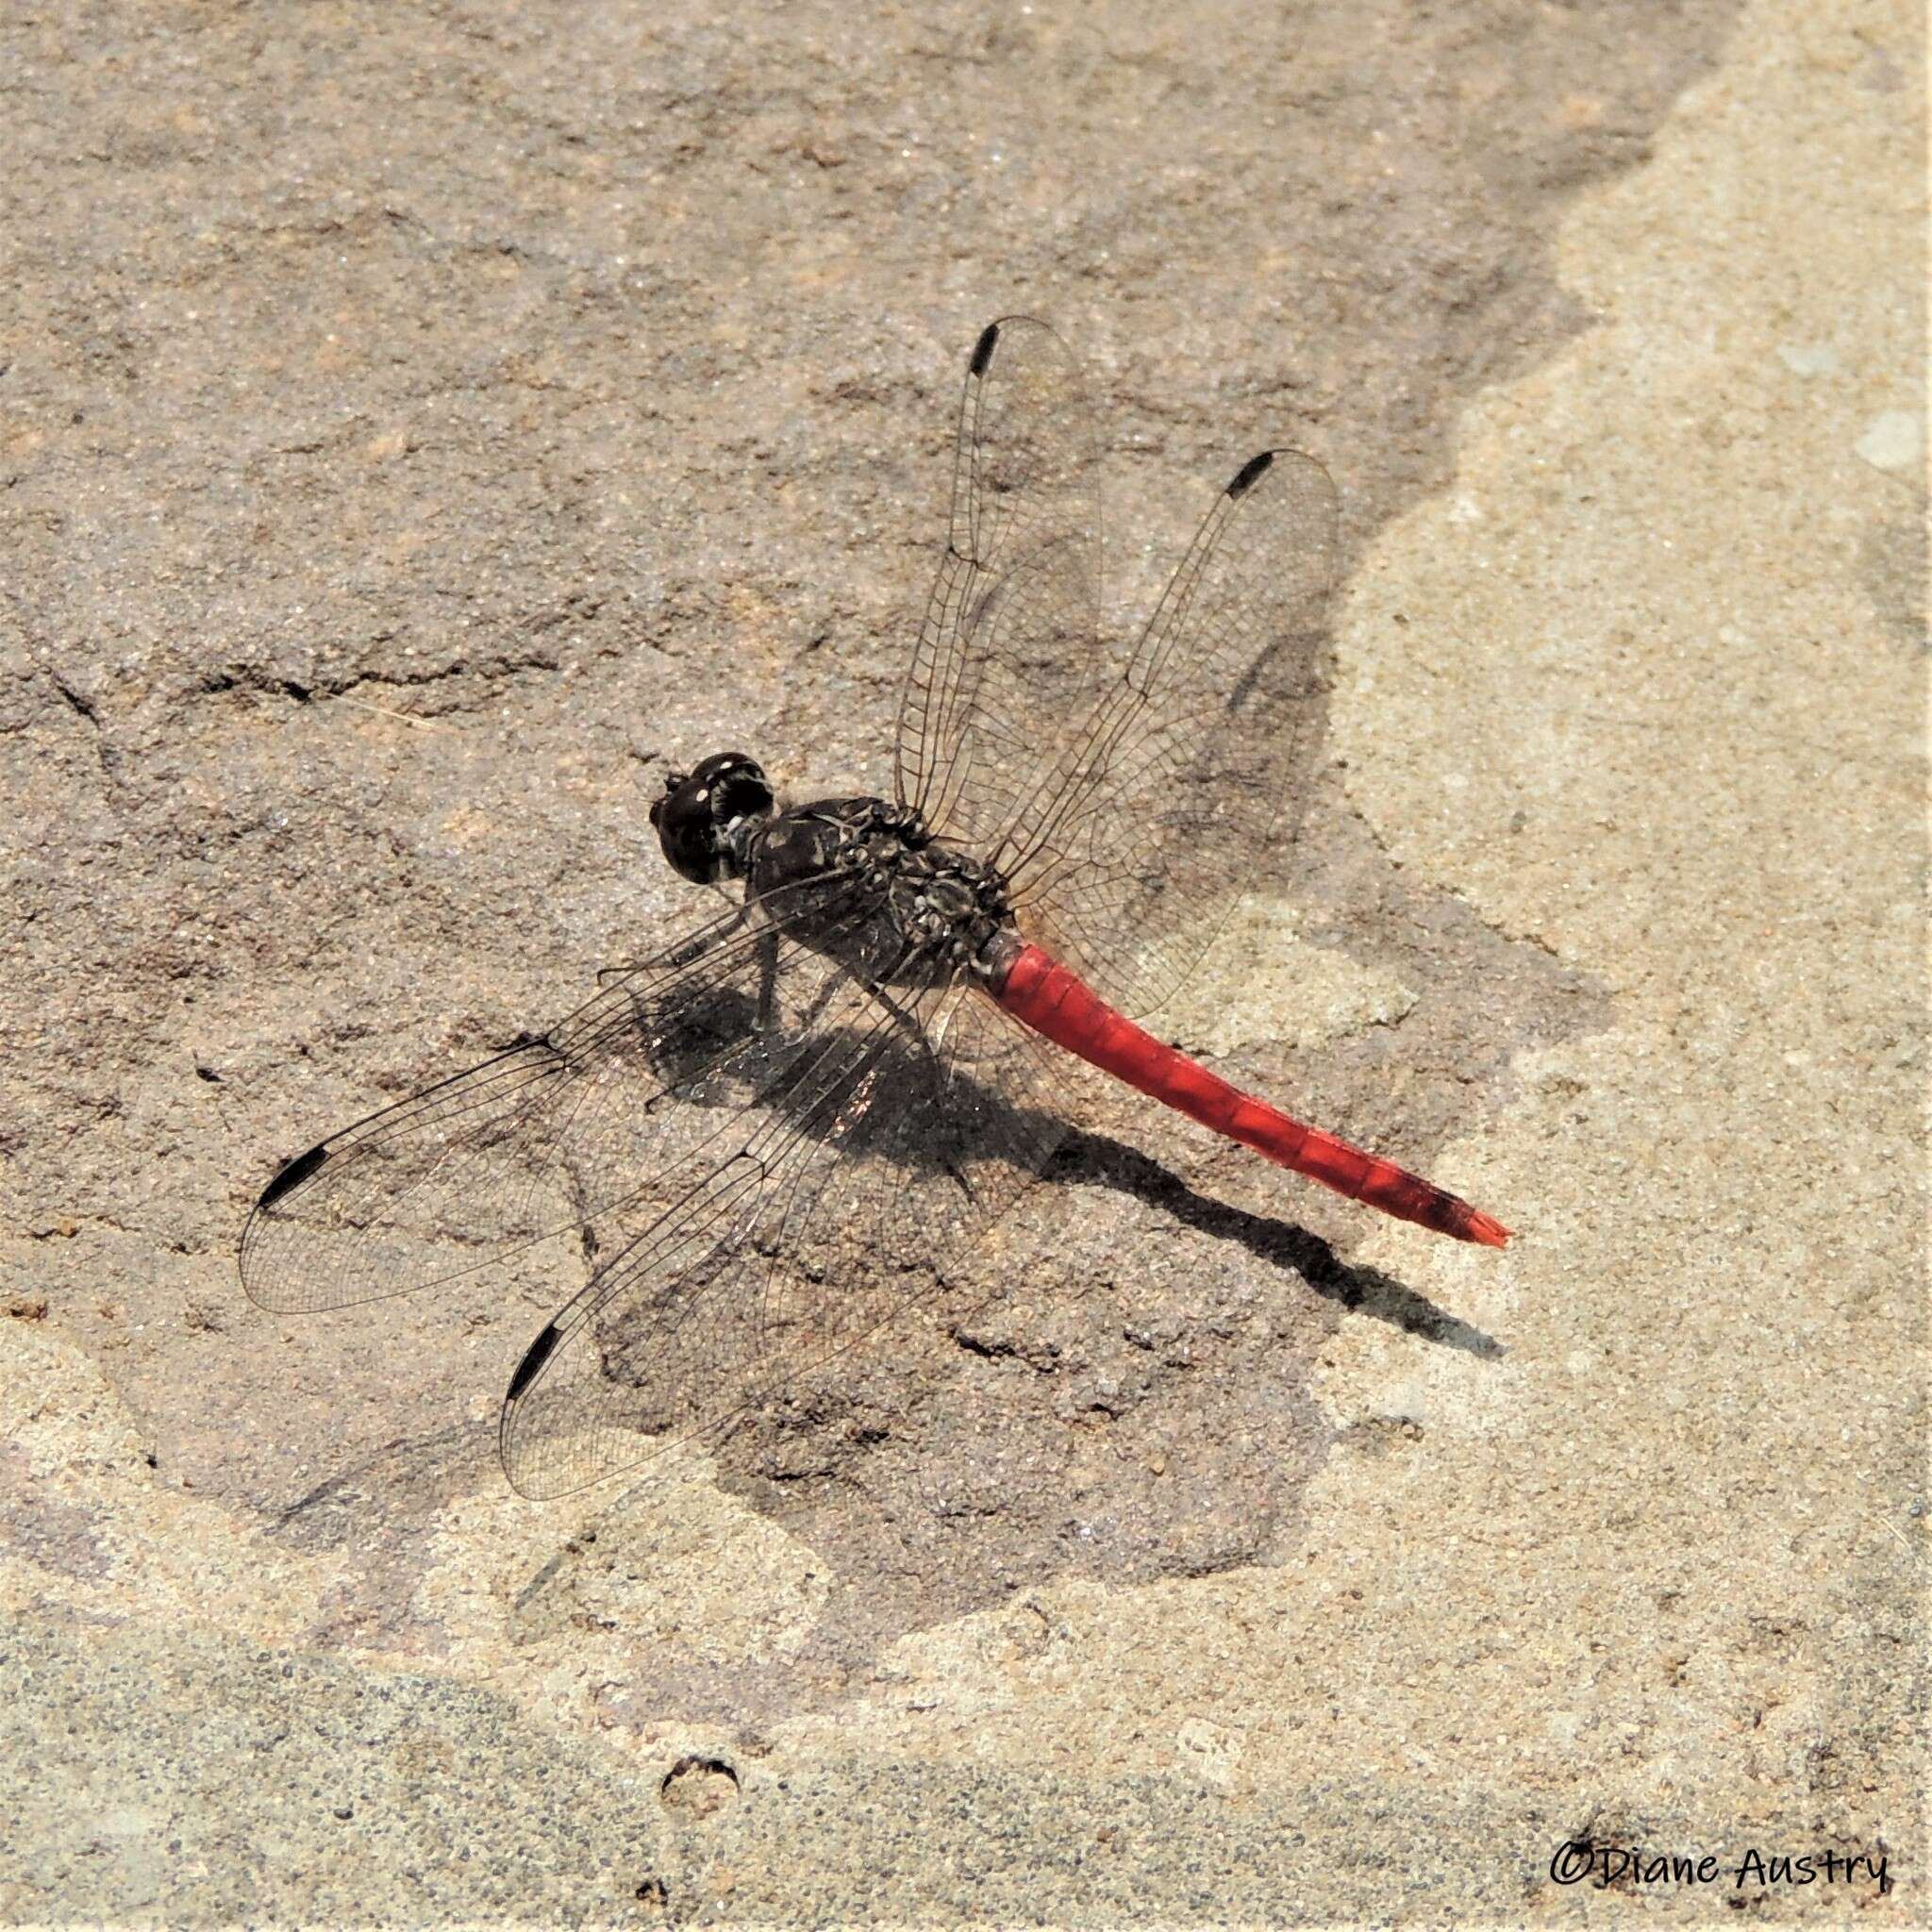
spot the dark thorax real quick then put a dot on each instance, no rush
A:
(898, 904)
(859, 879)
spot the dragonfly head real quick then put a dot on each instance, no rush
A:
(704, 816)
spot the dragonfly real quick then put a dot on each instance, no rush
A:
(757, 1145)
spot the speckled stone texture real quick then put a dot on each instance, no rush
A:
(420, 427)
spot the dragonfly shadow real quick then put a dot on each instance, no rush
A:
(937, 1128)
(959, 1110)
(1161, 1422)
(1006, 1437)
(1094, 1160)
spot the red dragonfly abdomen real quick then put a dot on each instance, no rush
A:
(1056, 1003)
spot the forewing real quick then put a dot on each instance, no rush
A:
(558, 1136)
(1008, 654)
(791, 1243)
(1151, 821)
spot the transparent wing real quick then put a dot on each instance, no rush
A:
(1006, 657)
(556, 1136)
(887, 1149)
(1149, 825)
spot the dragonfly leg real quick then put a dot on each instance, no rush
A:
(767, 943)
(813, 1013)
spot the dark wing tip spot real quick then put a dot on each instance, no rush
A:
(535, 1357)
(982, 349)
(293, 1175)
(1245, 478)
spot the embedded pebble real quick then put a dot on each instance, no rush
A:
(1809, 358)
(1894, 439)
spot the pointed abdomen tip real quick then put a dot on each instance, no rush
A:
(1486, 1230)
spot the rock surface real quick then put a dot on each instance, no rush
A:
(422, 429)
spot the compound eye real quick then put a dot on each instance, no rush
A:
(687, 836)
(698, 810)
(742, 795)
